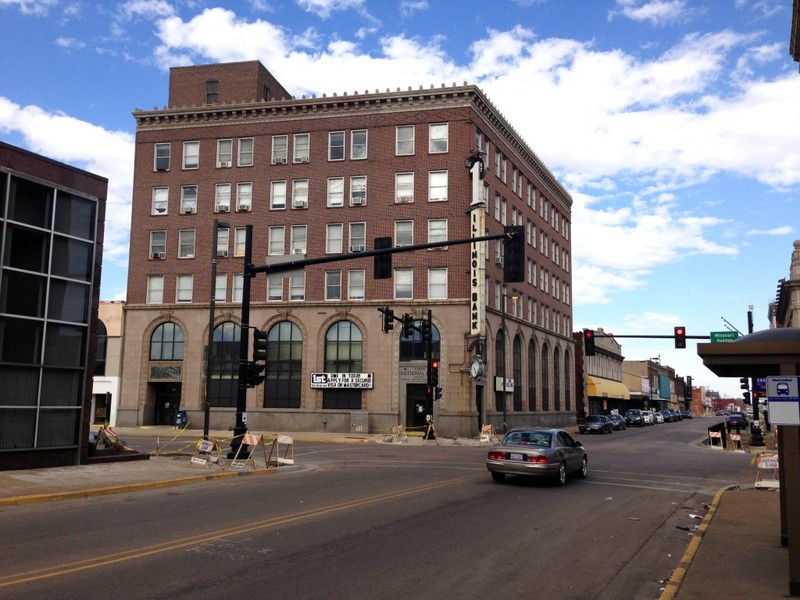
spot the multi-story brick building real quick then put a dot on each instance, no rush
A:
(322, 176)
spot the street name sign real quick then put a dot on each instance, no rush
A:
(718, 337)
(783, 398)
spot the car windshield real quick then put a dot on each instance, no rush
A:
(594, 418)
(528, 438)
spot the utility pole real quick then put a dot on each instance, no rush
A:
(756, 438)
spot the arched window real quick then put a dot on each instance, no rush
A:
(101, 350)
(413, 347)
(545, 378)
(344, 353)
(557, 378)
(567, 382)
(166, 343)
(223, 383)
(284, 372)
(500, 369)
(531, 376)
(517, 357)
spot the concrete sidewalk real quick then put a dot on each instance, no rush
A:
(735, 552)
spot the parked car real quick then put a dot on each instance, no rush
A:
(634, 416)
(596, 423)
(677, 414)
(686, 414)
(551, 453)
(736, 419)
(722, 413)
(648, 417)
(618, 421)
(658, 417)
(668, 416)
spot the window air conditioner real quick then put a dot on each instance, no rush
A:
(224, 164)
(358, 199)
(223, 253)
(189, 210)
(159, 254)
(298, 204)
(223, 209)
(405, 198)
(279, 161)
(298, 251)
(243, 208)
(498, 260)
(358, 248)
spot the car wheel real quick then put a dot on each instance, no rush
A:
(561, 477)
(584, 468)
(498, 476)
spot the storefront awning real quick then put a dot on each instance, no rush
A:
(605, 388)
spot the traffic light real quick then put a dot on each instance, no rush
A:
(434, 379)
(383, 262)
(756, 397)
(259, 346)
(588, 342)
(744, 383)
(746, 396)
(426, 330)
(437, 393)
(680, 337)
(514, 254)
(254, 376)
(408, 326)
(388, 319)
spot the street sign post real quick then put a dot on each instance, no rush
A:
(719, 337)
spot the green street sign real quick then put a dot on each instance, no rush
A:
(719, 337)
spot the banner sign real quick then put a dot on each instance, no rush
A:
(341, 380)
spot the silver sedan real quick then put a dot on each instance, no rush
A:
(551, 453)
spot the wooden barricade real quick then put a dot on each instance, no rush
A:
(715, 435)
(398, 431)
(252, 441)
(287, 458)
(206, 452)
(736, 441)
(767, 464)
(488, 434)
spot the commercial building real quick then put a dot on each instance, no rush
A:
(108, 363)
(323, 176)
(51, 226)
(599, 377)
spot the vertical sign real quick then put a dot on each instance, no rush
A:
(477, 259)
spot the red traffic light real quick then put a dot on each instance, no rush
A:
(680, 337)
(434, 364)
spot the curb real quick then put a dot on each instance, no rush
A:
(673, 586)
(118, 489)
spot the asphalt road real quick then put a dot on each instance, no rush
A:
(383, 521)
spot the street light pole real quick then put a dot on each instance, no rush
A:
(211, 311)
(756, 439)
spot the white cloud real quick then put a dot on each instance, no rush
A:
(409, 7)
(785, 230)
(39, 8)
(324, 8)
(656, 12)
(86, 146)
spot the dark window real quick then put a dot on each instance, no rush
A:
(413, 347)
(166, 343)
(557, 378)
(567, 383)
(102, 348)
(517, 357)
(284, 372)
(223, 382)
(531, 376)
(343, 354)
(500, 369)
(545, 378)
(212, 91)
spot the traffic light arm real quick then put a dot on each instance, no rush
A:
(293, 265)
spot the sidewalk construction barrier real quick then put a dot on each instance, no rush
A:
(488, 434)
(252, 441)
(397, 431)
(717, 432)
(736, 442)
(205, 452)
(287, 458)
(767, 464)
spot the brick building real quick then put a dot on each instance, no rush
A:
(322, 176)
(51, 224)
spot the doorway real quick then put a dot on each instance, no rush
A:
(167, 403)
(416, 397)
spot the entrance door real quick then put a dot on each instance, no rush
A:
(168, 400)
(416, 395)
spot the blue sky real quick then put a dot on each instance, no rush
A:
(674, 124)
